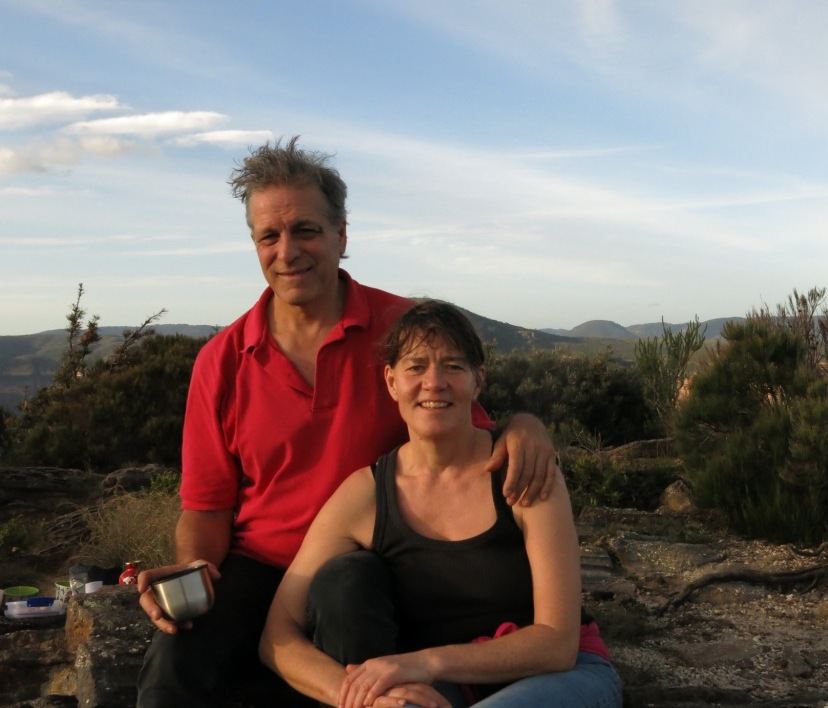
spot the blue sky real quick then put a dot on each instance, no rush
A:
(542, 163)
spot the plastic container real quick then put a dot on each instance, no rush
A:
(34, 607)
(62, 591)
(20, 592)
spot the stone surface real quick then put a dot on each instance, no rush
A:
(39, 490)
(133, 479)
(729, 644)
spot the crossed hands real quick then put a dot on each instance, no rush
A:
(390, 682)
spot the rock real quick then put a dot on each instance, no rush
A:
(677, 498)
(660, 448)
(109, 633)
(134, 479)
(30, 652)
(644, 555)
(729, 644)
(40, 490)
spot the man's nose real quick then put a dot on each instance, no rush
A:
(288, 248)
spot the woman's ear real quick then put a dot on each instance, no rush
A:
(479, 378)
(390, 381)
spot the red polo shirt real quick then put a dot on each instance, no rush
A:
(259, 439)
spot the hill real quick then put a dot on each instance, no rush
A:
(606, 329)
(28, 361)
(601, 329)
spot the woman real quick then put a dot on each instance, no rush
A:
(465, 566)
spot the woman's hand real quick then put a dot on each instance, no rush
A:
(365, 683)
(416, 694)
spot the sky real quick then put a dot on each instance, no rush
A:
(541, 163)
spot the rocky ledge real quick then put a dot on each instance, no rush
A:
(694, 617)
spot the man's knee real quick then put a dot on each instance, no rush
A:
(350, 612)
(348, 581)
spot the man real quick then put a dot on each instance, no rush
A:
(283, 404)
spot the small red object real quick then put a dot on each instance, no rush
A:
(130, 575)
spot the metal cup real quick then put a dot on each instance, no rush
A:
(185, 594)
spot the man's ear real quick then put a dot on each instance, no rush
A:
(343, 238)
(390, 381)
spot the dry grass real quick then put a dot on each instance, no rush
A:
(129, 527)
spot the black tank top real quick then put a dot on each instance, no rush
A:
(451, 592)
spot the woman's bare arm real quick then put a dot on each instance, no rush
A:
(549, 644)
(345, 523)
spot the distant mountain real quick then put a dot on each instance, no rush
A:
(601, 329)
(511, 338)
(29, 361)
(606, 329)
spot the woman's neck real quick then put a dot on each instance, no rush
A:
(451, 454)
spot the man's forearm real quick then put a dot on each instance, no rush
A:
(203, 535)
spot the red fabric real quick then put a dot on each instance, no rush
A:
(590, 642)
(502, 630)
(260, 440)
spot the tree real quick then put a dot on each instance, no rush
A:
(805, 316)
(79, 344)
(112, 417)
(663, 365)
(125, 409)
(749, 433)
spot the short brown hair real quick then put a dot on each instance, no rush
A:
(427, 321)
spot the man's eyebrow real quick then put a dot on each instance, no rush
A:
(306, 222)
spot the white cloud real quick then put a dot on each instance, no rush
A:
(54, 107)
(228, 138)
(150, 124)
(62, 151)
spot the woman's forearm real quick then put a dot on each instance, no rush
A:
(537, 649)
(301, 664)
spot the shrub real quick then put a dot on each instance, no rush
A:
(751, 434)
(130, 527)
(593, 394)
(15, 534)
(595, 480)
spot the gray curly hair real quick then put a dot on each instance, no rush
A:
(289, 166)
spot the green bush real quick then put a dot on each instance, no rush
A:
(111, 417)
(751, 434)
(595, 480)
(15, 535)
(593, 394)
